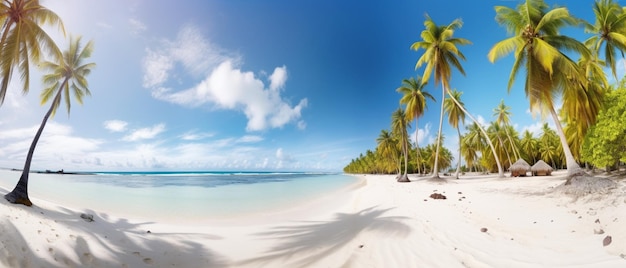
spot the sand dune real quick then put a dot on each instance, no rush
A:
(484, 222)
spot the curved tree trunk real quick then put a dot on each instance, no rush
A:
(573, 169)
(458, 164)
(513, 147)
(436, 165)
(19, 195)
(508, 156)
(493, 150)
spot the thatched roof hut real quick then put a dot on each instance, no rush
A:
(519, 168)
(541, 168)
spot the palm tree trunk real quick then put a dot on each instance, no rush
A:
(436, 166)
(573, 169)
(493, 150)
(19, 195)
(458, 164)
(508, 156)
(417, 148)
(515, 152)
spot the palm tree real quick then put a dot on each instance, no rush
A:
(503, 114)
(441, 53)
(23, 39)
(387, 147)
(414, 97)
(609, 29)
(399, 125)
(455, 116)
(71, 72)
(529, 146)
(536, 45)
(469, 152)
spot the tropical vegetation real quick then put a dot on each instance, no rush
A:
(23, 43)
(563, 78)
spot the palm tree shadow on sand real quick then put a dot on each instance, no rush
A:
(304, 244)
(102, 243)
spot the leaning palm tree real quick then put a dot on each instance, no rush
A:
(455, 117)
(23, 40)
(67, 76)
(399, 125)
(414, 97)
(537, 46)
(609, 31)
(441, 53)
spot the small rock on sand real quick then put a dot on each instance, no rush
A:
(607, 240)
(483, 229)
(437, 196)
(87, 217)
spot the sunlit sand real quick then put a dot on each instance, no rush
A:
(483, 222)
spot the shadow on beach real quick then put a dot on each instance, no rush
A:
(302, 245)
(101, 243)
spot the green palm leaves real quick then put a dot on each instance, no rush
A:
(538, 47)
(67, 77)
(23, 40)
(441, 52)
(609, 31)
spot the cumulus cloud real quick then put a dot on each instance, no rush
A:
(145, 133)
(224, 84)
(422, 134)
(115, 125)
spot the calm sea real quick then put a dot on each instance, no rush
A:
(197, 195)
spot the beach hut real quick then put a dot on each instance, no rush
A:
(541, 169)
(519, 168)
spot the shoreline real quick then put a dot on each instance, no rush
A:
(377, 223)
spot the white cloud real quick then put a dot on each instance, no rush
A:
(481, 120)
(284, 157)
(230, 88)
(156, 68)
(537, 127)
(250, 139)
(115, 125)
(145, 133)
(422, 134)
(136, 26)
(56, 145)
(278, 78)
(194, 136)
(225, 85)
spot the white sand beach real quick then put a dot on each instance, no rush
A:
(381, 223)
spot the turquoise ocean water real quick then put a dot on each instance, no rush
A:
(194, 195)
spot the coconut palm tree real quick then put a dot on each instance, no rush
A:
(469, 152)
(399, 127)
(441, 54)
(609, 31)
(582, 103)
(388, 147)
(455, 117)
(67, 76)
(537, 46)
(503, 115)
(529, 146)
(414, 97)
(23, 40)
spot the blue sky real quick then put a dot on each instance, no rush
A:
(252, 85)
